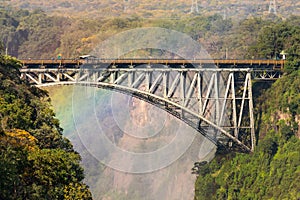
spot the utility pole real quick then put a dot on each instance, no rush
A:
(272, 7)
(125, 5)
(225, 13)
(194, 7)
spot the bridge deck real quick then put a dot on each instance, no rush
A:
(274, 64)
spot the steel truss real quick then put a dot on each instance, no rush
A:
(215, 102)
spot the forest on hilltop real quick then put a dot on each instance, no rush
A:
(31, 141)
(36, 35)
(156, 8)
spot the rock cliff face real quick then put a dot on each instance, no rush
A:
(287, 117)
(298, 120)
(167, 148)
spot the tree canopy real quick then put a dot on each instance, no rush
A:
(272, 171)
(34, 34)
(36, 161)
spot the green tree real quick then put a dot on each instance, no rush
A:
(36, 161)
(272, 171)
(1, 49)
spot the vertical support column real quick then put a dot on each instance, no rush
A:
(77, 75)
(252, 131)
(130, 75)
(221, 121)
(190, 91)
(182, 88)
(147, 79)
(58, 76)
(217, 100)
(208, 92)
(243, 100)
(199, 88)
(165, 84)
(112, 77)
(130, 78)
(40, 78)
(182, 91)
(234, 114)
(89, 77)
(95, 76)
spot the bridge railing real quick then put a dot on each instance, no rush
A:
(47, 62)
(233, 63)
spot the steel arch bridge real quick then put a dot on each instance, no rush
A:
(217, 102)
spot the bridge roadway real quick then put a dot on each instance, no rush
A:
(237, 63)
(217, 102)
(261, 70)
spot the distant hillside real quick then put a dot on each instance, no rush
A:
(35, 34)
(157, 8)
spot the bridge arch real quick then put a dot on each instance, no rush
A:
(173, 108)
(198, 103)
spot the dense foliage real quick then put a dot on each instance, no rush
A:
(34, 34)
(278, 36)
(156, 8)
(273, 170)
(36, 161)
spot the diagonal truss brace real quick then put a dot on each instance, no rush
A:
(204, 96)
